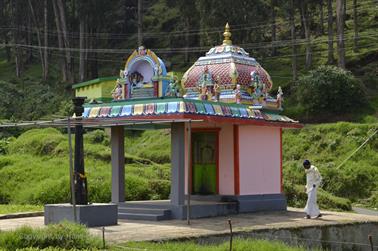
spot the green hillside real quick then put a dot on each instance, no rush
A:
(34, 168)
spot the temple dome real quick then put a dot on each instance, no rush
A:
(229, 65)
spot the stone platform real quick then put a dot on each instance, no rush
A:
(91, 215)
(346, 228)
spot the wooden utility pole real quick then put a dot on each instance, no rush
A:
(140, 22)
(340, 5)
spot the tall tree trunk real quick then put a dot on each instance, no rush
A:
(40, 46)
(355, 23)
(3, 33)
(82, 49)
(16, 36)
(321, 27)
(140, 22)
(331, 59)
(46, 38)
(60, 42)
(187, 24)
(305, 22)
(293, 41)
(93, 61)
(340, 32)
(66, 42)
(274, 27)
(29, 40)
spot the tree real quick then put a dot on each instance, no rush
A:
(140, 22)
(355, 27)
(340, 22)
(331, 59)
(306, 25)
(330, 90)
(321, 17)
(293, 41)
(273, 4)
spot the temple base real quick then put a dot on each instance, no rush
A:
(93, 215)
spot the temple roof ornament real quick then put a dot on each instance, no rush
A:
(235, 73)
(227, 35)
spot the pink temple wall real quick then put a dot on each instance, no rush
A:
(226, 157)
(259, 160)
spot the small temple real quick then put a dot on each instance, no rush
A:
(226, 131)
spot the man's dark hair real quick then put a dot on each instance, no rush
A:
(306, 164)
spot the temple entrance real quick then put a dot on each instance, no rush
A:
(205, 163)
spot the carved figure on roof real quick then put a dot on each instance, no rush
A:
(136, 80)
(123, 73)
(237, 94)
(117, 91)
(216, 89)
(206, 78)
(279, 97)
(141, 50)
(172, 90)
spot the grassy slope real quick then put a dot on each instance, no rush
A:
(35, 170)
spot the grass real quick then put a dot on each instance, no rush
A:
(62, 236)
(238, 245)
(14, 208)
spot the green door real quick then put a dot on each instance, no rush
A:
(204, 161)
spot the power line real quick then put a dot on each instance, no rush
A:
(115, 36)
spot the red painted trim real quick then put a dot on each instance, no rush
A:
(216, 130)
(281, 177)
(236, 161)
(205, 118)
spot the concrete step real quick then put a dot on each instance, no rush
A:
(137, 216)
(144, 210)
(144, 205)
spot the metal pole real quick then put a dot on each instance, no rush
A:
(355, 151)
(189, 185)
(71, 169)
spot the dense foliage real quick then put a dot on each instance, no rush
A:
(329, 90)
(65, 236)
(80, 40)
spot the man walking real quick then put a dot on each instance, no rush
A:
(313, 180)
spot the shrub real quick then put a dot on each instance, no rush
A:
(297, 197)
(65, 235)
(329, 90)
(96, 136)
(37, 142)
(50, 191)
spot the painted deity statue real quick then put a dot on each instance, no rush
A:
(258, 87)
(216, 89)
(117, 91)
(279, 97)
(238, 94)
(172, 90)
(205, 84)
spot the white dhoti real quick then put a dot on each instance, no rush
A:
(312, 208)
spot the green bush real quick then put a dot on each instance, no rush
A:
(65, 235)
(329, 90)
(95, 137)
(297, 197)
(37, 142)
(50, 191)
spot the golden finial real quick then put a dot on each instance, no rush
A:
(227, 35)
